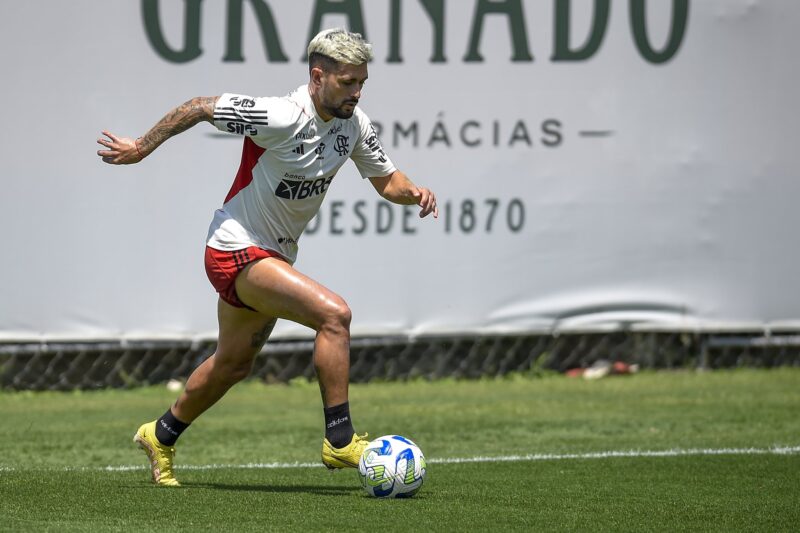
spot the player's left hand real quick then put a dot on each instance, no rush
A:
(121, 150)
(426, 200)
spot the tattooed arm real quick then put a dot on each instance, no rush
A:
(125, 151)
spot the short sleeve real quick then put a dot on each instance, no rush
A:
(368, 153)
(266, 119)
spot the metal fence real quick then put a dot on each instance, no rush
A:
(95, 365)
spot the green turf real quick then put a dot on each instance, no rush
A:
(53, 445)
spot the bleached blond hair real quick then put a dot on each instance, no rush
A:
(340, 45)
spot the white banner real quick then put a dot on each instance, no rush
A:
(599, 164)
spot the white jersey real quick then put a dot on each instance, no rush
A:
(289, 160)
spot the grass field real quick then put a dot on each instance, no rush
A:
(682, 451)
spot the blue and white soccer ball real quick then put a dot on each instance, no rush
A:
(392, 467)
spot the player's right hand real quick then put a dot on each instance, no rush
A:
(120, 150)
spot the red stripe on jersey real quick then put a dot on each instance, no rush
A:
(251, 153)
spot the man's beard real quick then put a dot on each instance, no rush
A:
(341, 112)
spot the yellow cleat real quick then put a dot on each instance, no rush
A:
(160, 456)
(346, 457)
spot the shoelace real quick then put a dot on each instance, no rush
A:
(361, 441)
(168, 456)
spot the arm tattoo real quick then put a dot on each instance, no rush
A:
(177, 121)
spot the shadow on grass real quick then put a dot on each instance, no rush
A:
(320, 490)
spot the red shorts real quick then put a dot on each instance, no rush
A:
(222, 267)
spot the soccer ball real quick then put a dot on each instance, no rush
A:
(391, 467)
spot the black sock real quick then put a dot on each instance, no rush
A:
(169, 428)
(338, 426)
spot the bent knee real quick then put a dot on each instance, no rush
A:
(233, 371)
(241, 371)
(337, 317)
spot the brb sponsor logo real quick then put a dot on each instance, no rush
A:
(300, 190)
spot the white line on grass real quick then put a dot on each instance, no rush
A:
(675, 452)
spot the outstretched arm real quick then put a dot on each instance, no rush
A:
(125, 151)
(397, 188)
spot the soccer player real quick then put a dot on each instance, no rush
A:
(293, 147)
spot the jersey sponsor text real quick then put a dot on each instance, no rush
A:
(300, 190)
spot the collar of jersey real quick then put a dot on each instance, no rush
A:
(305, 91)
